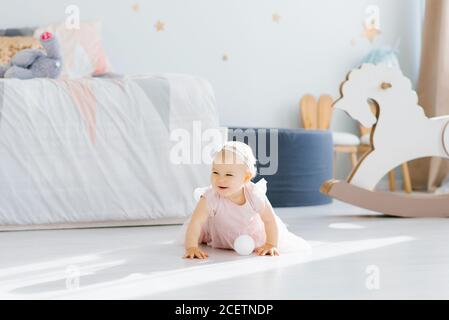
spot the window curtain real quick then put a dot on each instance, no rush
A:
(433, 88)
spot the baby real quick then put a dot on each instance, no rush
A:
(234, 206)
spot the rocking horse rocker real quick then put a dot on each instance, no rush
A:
(401, 132)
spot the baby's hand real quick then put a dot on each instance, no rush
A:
(267, 249)
(195, 252)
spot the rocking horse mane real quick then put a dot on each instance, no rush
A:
(382, 74)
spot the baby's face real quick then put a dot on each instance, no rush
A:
(228, 176)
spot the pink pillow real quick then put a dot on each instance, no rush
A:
(82, 51)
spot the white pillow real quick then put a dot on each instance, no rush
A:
(345, 139)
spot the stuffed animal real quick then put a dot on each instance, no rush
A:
(33, 63)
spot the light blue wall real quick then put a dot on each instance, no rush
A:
(270, 65)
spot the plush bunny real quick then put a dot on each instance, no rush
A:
(33, 63)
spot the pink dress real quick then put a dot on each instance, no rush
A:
(228, 220)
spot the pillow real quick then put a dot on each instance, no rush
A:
(14, 32)
(82, 50)
(9, 46)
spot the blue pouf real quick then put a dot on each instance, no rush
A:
(303, 162)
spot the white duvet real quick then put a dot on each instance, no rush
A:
(98, 149)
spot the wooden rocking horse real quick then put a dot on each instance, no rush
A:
(400, 132)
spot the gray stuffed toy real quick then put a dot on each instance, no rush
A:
(33, 63)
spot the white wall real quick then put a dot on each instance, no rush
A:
(271, 65)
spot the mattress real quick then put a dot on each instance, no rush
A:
(107, 151)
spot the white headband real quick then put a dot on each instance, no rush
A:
(243, 151)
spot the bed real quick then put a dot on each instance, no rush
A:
(98, 151)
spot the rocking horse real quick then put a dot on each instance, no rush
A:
(400, 132)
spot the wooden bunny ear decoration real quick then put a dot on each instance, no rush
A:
(316, 115)
(324, 112)
(308, 111)
(401, 132)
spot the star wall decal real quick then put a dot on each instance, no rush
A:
(136, 7)
(159, 26)
(276, 17)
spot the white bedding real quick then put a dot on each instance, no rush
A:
(95, 151)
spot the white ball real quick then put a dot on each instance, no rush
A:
(244, 245)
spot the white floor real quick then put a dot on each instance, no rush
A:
(356, 255)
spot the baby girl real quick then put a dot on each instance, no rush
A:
(234, 206)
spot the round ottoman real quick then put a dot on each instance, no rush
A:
(299, 162)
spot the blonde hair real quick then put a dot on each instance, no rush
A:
(243, 152)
